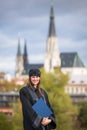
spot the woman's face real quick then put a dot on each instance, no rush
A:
(35, 80)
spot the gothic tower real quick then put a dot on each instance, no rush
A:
(19, 61)
(52, 58)
(25, 58)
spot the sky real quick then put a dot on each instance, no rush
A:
(29, 20)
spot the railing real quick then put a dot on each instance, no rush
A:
(7, 97)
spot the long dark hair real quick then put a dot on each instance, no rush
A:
(30, 84)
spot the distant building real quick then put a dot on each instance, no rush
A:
(5, 76)
(77, 85)
(5, 99)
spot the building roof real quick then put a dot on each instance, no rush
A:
(32, 66)
(71, 60)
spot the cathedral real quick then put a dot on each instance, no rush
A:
(69, 62)
(53, 58)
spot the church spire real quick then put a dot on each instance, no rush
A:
(52, 57)
(19, 50)
(19, 61)
(25, 57)
(25, 49)
(52, 31)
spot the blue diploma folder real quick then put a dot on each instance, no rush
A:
(41, 108)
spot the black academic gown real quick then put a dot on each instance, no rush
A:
(31, 120)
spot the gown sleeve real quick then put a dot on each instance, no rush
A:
(28, 113)
(52, 125)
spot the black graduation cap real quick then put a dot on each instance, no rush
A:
(34, 72)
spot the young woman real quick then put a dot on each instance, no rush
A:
(29, 95)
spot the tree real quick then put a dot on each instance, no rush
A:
(54, 84)
(83, 115)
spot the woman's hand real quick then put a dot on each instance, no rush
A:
(45, 121)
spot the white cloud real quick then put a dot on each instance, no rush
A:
(7, 64)
(6, 41)
(38, 58)
(69, 43)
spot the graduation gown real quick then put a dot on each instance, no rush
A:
(31, 120)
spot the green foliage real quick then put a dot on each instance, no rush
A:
(54, 84)
(4, 122)
(83, 129)
(17, 120)
(83, 115)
